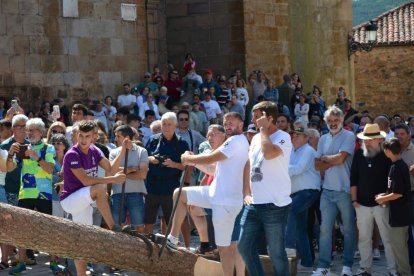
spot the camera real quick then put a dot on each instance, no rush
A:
(256, 175)
(161, 158)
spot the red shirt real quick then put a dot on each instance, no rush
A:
(172, 88)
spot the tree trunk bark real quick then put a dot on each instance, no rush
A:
(57, 236)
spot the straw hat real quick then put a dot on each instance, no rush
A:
(371, 131)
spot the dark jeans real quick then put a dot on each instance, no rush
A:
(267, 220)
(296, 231)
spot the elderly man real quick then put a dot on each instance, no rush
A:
(37, 161)
(335, 151)
(165, 170)
(306, 183)
(384, 125)
(224, 196)
(369, 177)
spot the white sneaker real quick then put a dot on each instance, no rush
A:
(322, 272)
(172, 242)
(290, 252)
(346, 271)
(376, 254)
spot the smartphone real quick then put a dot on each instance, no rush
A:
(14, 105)
(21, 153)
(56, 112)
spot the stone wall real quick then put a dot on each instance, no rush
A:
(319, 54)
(211, 30)
(384, 79)
(44, 55)
(267, 37)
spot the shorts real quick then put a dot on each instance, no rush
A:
(133, 205)
(41, 205)
(12, 199)
(3, 197)
(57, 210)
(79, 205)
(224, 216)
(152, 202)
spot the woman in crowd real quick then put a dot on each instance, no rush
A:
(55, 128)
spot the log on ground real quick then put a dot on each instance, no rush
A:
(57, 236)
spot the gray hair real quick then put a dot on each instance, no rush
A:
(37, 123)
(300, 123)
(333, 111)
(19, 118)
(163, 88)
(216, 126)
(311, 132)
(155, 124)
(169, 116)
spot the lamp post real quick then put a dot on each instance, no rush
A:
(371, 35)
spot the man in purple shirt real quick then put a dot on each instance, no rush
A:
(82, 186)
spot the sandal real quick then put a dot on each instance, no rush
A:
(4, 266)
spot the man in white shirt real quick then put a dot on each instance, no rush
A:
(267, 200)
(224, 196)
(127, 99)
(212, 108)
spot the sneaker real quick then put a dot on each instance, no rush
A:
(172, 242)
(346, 271)
(54, 266)
(357, 255)
(362, 272)
(18, 269)
(290, 252)
(304, 269)
(126, 229)
(322, 272)
(394, 274)
(376, 254)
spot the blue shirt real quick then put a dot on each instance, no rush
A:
(302, 169)
(337, 178)
(160, 179)
(271, 95)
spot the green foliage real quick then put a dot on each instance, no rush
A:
(365, 10)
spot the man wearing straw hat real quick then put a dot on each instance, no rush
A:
(369, 176)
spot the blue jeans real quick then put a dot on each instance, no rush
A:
(267, 220)
(297, 224)
(331, 203)
(133, 204)
(3, 198)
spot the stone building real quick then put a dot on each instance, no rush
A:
(90, 53)
(384, 77)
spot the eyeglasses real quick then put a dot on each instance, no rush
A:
(20, 126)
(55, 131)
(183, 119)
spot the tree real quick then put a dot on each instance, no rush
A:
(57, 236)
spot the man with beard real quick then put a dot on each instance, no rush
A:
(334, 153)
(369, 177)
(224, 196)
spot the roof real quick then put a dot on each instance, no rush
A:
(395, 26)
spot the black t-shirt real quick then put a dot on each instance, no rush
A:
(399, 183)
(370, 175)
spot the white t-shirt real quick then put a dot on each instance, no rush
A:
(126, 100)
(272, 181)
(227, 186)
(212, 109)
(3, 155)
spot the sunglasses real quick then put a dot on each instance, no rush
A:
(55, 131)
(183, 119)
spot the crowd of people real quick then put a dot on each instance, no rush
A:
(261, 169)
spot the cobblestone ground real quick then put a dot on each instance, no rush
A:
(42, 268)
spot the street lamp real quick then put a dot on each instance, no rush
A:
(371, 35)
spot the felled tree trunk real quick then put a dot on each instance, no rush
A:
(29, 229)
